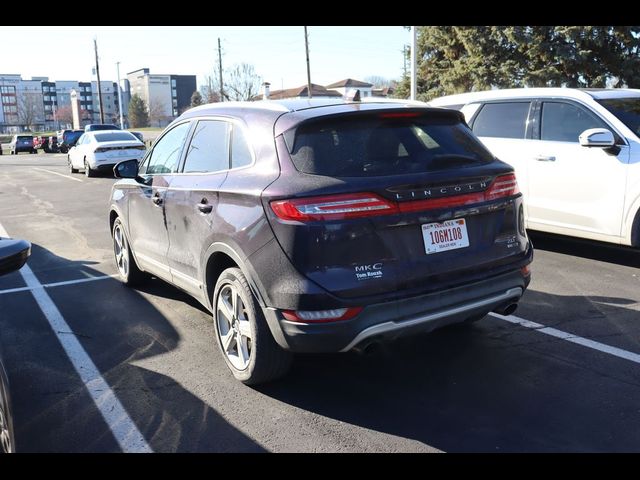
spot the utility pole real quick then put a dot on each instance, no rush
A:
(95, 44)
(413, 63)
(220, 70)
(404, 61)
(306, 46)
(119, 96)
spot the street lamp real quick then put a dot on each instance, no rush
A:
(119, 96)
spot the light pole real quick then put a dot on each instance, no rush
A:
(119, 96)
(414, 56)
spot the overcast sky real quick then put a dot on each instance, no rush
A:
(277, 53)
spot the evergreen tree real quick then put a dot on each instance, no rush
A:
(461, 59)
(138, 112)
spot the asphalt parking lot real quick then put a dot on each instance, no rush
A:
(568, 382)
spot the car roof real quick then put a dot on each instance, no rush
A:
(297, 110)
(502, 94)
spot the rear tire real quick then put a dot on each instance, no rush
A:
(128, 270)
(87, 169)
(242, 333)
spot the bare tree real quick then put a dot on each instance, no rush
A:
(241, 82)
(377, 81)
(64, 115)
(209, 90)
(30, 109)
(157, 112)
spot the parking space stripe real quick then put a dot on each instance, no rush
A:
(569, 337)
(59, 284)
(124, 429)
(56, 173)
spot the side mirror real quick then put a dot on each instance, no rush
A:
(126, 169)
(13, 254)
(597, 137)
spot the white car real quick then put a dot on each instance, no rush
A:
(576, 154)
(102, 149)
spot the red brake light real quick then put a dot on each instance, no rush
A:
(333, 207)
(358, 205)
(400, 115)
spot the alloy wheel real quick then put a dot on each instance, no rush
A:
(5, 438)
(121, 251)
(234, 327)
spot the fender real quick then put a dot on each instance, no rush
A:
(125, 224)
(628, 221)
(242, 263)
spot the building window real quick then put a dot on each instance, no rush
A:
(47, 107)
(173, 93)
(173, 82)
(175, 112)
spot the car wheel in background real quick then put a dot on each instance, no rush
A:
(87, 169)
(128, 270)
(243, 336)
(71, 169)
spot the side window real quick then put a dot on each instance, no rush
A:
(502, 120)
(209, 147)
(240, 151)
(80, 140)
(563, 122)
(166, 152)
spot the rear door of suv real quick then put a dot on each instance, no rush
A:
(393, 202)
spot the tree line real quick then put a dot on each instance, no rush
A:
(457, 59)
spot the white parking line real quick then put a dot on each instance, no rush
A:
(122, 426)
(59, 284)
(569, 337)
(56, 173)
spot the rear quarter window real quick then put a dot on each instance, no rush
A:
(383, 145)
(502, 120)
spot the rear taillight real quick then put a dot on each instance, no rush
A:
(102, 150)
(357, 205)
(503, 186)
(321, 316)
(333, 207)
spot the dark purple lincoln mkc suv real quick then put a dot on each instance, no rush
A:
(322, 225)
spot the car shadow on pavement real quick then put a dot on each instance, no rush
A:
(591, 249)
(129, 340)
(487, 387)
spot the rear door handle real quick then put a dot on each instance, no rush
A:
(545, 158)
(204, 206)
(157, 199)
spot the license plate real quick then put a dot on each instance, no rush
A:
(449, 235)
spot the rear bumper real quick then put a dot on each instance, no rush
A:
(388, 320)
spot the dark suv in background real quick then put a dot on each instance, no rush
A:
(22, 143)
(69, 139)
(322, 226)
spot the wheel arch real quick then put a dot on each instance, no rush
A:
(219, 257)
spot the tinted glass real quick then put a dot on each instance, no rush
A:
(502, 120)
(25, 137)
(114, 137)
(166, 153)
(103, 127)
(563, 122)
(209, 147)
(240, 152)
(377, 145)
(626, 109)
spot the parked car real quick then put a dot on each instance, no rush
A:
(92, 127)
(101, 150)
(13, 255)
(69, 139)
(21, 143)
(576, 154)
(322, 225)
(138, 135)
(49, 144)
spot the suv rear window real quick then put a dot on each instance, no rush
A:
(25, 137)
(383, 144)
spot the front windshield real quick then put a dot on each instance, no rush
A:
(626, 109)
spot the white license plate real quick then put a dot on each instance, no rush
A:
(449, 235)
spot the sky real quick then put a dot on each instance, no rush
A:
(276, 53)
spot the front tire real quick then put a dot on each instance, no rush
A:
(247, 346)
(128, 270)
(71, 169)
